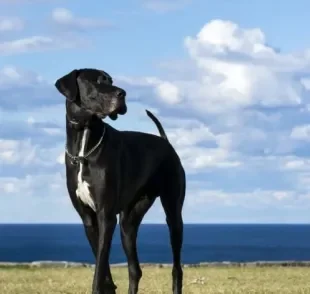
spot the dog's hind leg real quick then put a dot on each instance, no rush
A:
(172, 199)
(130, 221)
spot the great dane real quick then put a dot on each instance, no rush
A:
(111, 172)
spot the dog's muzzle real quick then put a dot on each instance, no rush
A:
(121, 105)
(122, 110)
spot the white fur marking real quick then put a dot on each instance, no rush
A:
(82, 190)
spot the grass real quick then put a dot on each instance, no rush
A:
(245, 280)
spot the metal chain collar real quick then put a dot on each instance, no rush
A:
(77, 159)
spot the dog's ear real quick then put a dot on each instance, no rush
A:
(67, 85)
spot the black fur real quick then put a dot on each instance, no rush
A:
(126, 173)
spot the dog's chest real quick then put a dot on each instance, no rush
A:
(83, 187)
(83, 191)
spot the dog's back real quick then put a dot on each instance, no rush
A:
(143, 158)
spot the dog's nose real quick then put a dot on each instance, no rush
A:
(120, 93)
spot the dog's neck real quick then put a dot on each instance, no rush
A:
(76, 131)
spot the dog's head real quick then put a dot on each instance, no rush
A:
(92, 92)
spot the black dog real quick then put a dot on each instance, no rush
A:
(110, 172)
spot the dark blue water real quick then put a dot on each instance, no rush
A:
(24, 243)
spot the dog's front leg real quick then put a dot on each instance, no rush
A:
(106, 226)
(92, 233)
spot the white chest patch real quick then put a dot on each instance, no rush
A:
(82, 190)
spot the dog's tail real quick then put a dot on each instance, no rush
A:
(158, 124)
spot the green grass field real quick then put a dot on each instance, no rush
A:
(205, 280)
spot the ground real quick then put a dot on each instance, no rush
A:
(205, 280)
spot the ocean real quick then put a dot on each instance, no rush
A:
(239, 243)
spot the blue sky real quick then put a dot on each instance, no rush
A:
(228, 79)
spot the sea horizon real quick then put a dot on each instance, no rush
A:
(213, 242)
(187, 223)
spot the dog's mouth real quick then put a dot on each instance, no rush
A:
(120, 110)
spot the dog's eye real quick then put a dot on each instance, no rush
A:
(100, 80)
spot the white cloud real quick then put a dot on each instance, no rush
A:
(39, 43)
(301, 132)
(303, 179)
(61, 158)
(306, 83)
(16, 84)
(235, 69)
(164, 5)
(250, 199)
(25, 153)
(22, 1)
(52, 131)
(8, 24)
(236, 87)
(66, 18)
(196, 159)
(256, 206)
(238, 69)
(13, 151)
(169, 93)
(186, 140)
(30, 120)
(296, 164)
(190, 136)
(44, 195)
(13, 76)
(30, 183)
